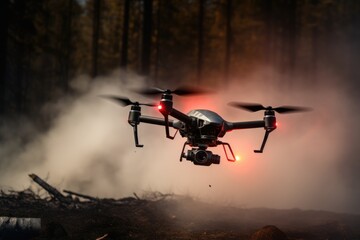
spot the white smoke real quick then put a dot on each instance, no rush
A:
(90, 148)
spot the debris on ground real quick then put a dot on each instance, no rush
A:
(72, 215)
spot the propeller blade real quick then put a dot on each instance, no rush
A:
(149, 104)
(150, 91)
(181, 91)
(252, 107)
(184, 91)
(126, 102)
(120, 100)
(291, 109)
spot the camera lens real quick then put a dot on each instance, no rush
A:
(201, 156)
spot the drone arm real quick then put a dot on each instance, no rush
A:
(245, 125)
(166, 109)
(154, 120)
(180, 116)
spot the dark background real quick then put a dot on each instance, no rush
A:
(46, 43)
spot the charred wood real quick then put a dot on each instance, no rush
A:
(51, 190)
(81, 195)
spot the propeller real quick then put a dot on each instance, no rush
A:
(181, 91)
(126, 102)
(254, 107)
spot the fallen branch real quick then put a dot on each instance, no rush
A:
(81, 195)
(136, 196)
(51, 190)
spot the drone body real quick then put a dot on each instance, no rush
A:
(201, 127)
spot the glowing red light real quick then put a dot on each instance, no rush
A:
(159, 107)
(276, 124)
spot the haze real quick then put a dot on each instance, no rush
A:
(90, 147)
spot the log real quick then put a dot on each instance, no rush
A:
(136, 196)
(81, 195)
(51, 190)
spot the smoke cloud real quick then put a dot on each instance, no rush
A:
(90, 147)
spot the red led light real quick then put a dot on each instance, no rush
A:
(159, 107)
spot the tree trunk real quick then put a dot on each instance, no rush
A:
(3, 55)
(125, 36)
(146, 38)
(292, 34)
(157, 43)
(200, 41)
(20, 58)
(228, 42)
(67, 30)
(269, 28)
(287, 43)
(95, 37)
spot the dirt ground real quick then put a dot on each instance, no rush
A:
(172, 217)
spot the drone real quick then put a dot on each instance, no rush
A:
(201, 127)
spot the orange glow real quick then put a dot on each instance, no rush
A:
(276, 124)
(159, 107)
(197, 102)
(237, 157)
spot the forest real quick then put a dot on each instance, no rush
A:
(46, 43)
(274, 52)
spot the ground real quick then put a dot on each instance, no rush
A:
(172, 217)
